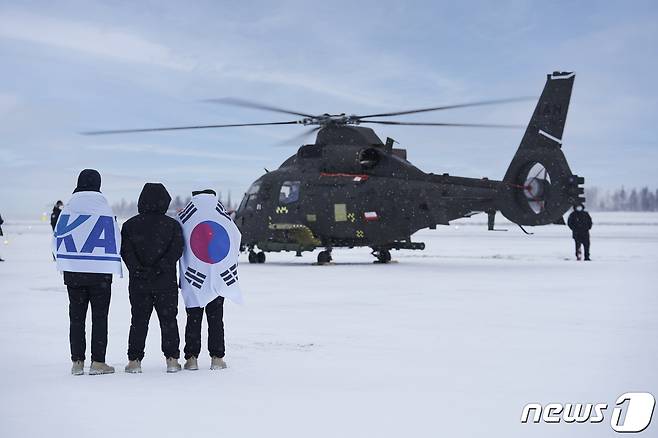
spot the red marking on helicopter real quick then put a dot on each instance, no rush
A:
(355, 177)
(370, 216)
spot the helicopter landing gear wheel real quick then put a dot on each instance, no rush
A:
(256, 257)
(383, 255)
(324, 257)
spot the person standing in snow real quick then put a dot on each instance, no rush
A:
(86, 242)
(580, 222)
(151, 244)
(57, 209)
(1, 233)
(209, 273)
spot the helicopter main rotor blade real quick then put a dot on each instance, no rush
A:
(255, 105)
(179, 128)
(446, 107)
(462, 125)
(297, 138)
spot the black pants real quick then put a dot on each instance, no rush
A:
(584, 241)
(142, 303)
(215, 317)
(79, 299)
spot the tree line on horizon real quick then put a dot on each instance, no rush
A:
(124, 208)
(621, 199)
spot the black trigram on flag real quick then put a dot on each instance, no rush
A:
(230, 276)
(187, 212)
(195, 278)
(221, 210)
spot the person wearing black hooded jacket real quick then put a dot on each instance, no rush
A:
(151, 244)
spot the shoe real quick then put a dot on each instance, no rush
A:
(217, 363)
(97, 368)
(191, 364)
(172, 365)
(587, 259)
(134, 366)
(78, 368)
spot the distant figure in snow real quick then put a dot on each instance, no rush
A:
(1, 233)
(580, 222)
(86, 241)
(57, 209)
(151, 244)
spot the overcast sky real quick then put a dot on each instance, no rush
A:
(74, 66)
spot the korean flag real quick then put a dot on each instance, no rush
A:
(209, 266)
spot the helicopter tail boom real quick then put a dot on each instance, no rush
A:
(539, 187)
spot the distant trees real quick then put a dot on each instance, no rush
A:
(621, 199)
(127, 209)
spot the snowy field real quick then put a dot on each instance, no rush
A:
(448, 342)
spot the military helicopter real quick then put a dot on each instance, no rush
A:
(351, 189)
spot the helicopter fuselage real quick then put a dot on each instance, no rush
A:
(362, 193)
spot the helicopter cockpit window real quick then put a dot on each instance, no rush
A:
(249, 200)
(289, 192)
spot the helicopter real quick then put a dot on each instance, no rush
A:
(351, 189)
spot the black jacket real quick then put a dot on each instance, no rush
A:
(89, 180)
(1, 222)
(580, 223)
(152, 242)
(54, 216)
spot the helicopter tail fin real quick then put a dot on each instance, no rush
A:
(539, 187)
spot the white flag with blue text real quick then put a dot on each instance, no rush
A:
(87, 237)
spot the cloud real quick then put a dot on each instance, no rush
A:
(98, 40)
(10, 159)
(168, 151)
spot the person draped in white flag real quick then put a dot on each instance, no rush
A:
(86, 244)
(209, 273)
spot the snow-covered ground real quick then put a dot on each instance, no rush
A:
(452, 341)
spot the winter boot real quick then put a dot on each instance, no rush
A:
(191, 364)
(172, 365)
(78, 368)
(217, 363)
(134, 366)
(100, 368)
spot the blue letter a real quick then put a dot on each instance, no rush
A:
(104, 227)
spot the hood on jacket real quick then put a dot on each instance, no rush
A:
(204, 192)
(153, 199)
(89, 180)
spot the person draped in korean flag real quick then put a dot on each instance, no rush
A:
(209, 273)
